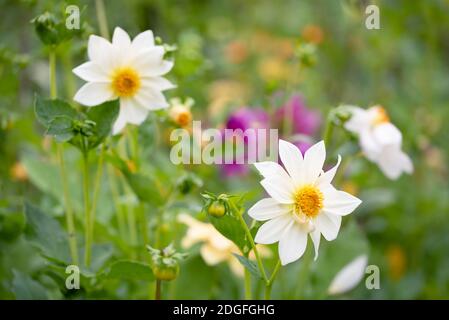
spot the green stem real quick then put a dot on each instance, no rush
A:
(247, 285)
(304, 272)
(251, 240)
(65, 186)
(328, 129)
(102, 18)
(98, 177)
(68, 208)
(271, 280)
(121, 220)
(158, 290)
(87, 211)
(52, 65)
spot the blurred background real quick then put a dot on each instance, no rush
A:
(242, 62)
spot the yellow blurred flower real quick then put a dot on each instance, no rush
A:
(224, 92)
(273, 69)
(397, 261)
(215, 248)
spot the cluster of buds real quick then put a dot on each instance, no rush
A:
(165, 262)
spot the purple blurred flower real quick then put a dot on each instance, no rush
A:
(245, 118)
(301, 119)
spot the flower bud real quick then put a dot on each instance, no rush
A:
(165, 262)
(216, 209)
(187, 182)
(179, 112)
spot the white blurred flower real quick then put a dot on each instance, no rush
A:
(129, 70)
(302, 202)
(215, 248)
(348, 277)
(380, 140)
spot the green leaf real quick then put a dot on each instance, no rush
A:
(146, 188)
(61, 128)
(46, 234)
(250, 265)
(104, 116)
(230, 227)
(47, 110)
(25, 288)
(130, 270)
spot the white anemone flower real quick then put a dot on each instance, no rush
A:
(128, 70)
(302, 201)
(380, 140)
(349, 276)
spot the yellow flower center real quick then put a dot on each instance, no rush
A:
(381, 116)
(125, 82)
(308, 201)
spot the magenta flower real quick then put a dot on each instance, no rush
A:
(244, 118)
(299, 118)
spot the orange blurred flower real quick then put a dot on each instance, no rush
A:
(397, 261)
(18, 172)
(313, 33)
(236, 52)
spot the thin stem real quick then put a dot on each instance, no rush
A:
(115, 197)
(251, 240)
(68, 208)
(87, 211)
(96, 189)
(247, 285)
(328, 129)
(65, 186)
(102, 18)
(52, 65)
(271, 280)
(158, 290)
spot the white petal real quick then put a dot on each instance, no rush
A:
(150, 62)
(369, 145)
(292, 159)
(348, 277)
(328, 225)
(94, 93)
(121, 39)
(97, 48)
(339, 202)
(270, 169)
(92, 72)
(143, 40)
(279, 189)
(394, 162)
(292, 244)
(120, 123)
(271, 231)
(387, 134)
(159, 83)
(314, 161)
(359, 121)
(150, 99)
(133, 112)
(267, 209)
(315, 236)
(329, 175)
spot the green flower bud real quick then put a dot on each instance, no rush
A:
(216, 209)
(166, 273)
(165, 262)
(188, 182)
